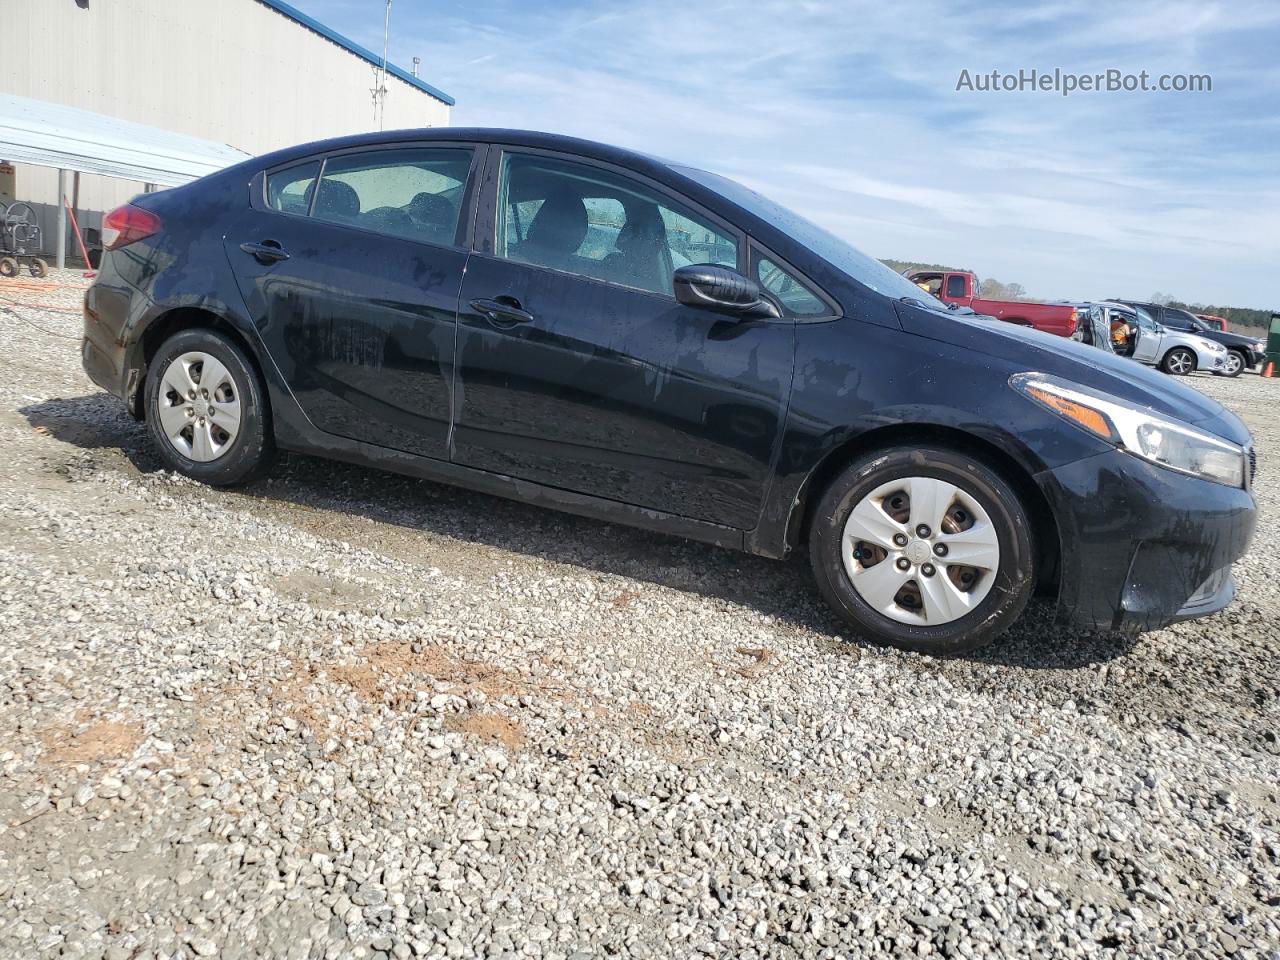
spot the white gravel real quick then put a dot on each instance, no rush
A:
(346, 714)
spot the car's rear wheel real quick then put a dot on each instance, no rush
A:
(206, 409)
(923, 548)
(1233, 364)
(1179, 361)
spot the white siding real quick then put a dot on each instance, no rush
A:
(234, 71)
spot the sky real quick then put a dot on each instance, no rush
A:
(849, 113)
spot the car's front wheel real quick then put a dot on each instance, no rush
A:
(206, 409)
(1179, 361)
(923, 548)
(1233, 364)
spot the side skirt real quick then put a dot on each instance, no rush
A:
(441, 471)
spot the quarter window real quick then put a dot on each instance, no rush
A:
(797, 299)
(289, 190)
(955, 285)
(583, 220)
(411, 193)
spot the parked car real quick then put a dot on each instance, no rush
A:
(963, 290)
(1212, 320)
(1104, 328)
(1172, 351)
(1243, 352)
(434, 302)
(1109, 326)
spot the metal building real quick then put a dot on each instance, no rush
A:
(252, 74)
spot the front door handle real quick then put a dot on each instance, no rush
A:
(503, 310)
(268, 251)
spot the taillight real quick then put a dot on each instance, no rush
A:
(126, 225)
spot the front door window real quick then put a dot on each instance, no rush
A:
(586, 221)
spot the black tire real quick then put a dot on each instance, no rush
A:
(38, 268)
(252, 451)
(1182, 359)
(1234, 364)
(8, 267)
(1014, 579)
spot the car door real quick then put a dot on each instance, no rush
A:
(350, 265)
(576, 366)
(1147, 349)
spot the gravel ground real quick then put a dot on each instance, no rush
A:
(346, 714)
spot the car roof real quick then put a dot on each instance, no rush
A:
(497, 135)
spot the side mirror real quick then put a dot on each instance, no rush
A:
(713, 287)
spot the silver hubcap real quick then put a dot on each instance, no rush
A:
(1179, 362)
(920, 551)
(1234, 363)
(199, 406)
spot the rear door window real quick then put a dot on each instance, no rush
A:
(289, 190)
(415, 193)
(955, 285)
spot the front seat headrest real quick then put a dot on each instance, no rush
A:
(560, 225)
(431, 209)
(336, 199)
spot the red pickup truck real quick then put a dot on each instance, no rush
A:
(962, 289)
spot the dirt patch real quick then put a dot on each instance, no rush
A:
(624, 599)
(490, 727)
(388, 666)
(104, 740)
(761, 658)
(292, 690)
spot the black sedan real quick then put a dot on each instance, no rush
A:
(600, 331)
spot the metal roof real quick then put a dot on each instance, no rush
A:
(53, 135)
(293, 13)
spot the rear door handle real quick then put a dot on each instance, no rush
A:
(504, 310)
(268, 251)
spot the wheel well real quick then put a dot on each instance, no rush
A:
(1044, 527)
(175, 321)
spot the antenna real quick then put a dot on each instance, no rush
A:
(416, 61)
(380, 75)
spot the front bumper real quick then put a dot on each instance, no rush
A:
(1142, 546)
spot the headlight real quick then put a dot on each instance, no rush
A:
(1259, 347)
(1143, 433)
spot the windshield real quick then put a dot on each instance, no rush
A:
(868, 271)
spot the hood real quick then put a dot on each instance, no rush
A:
(1230, 339)
(1027, 350)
